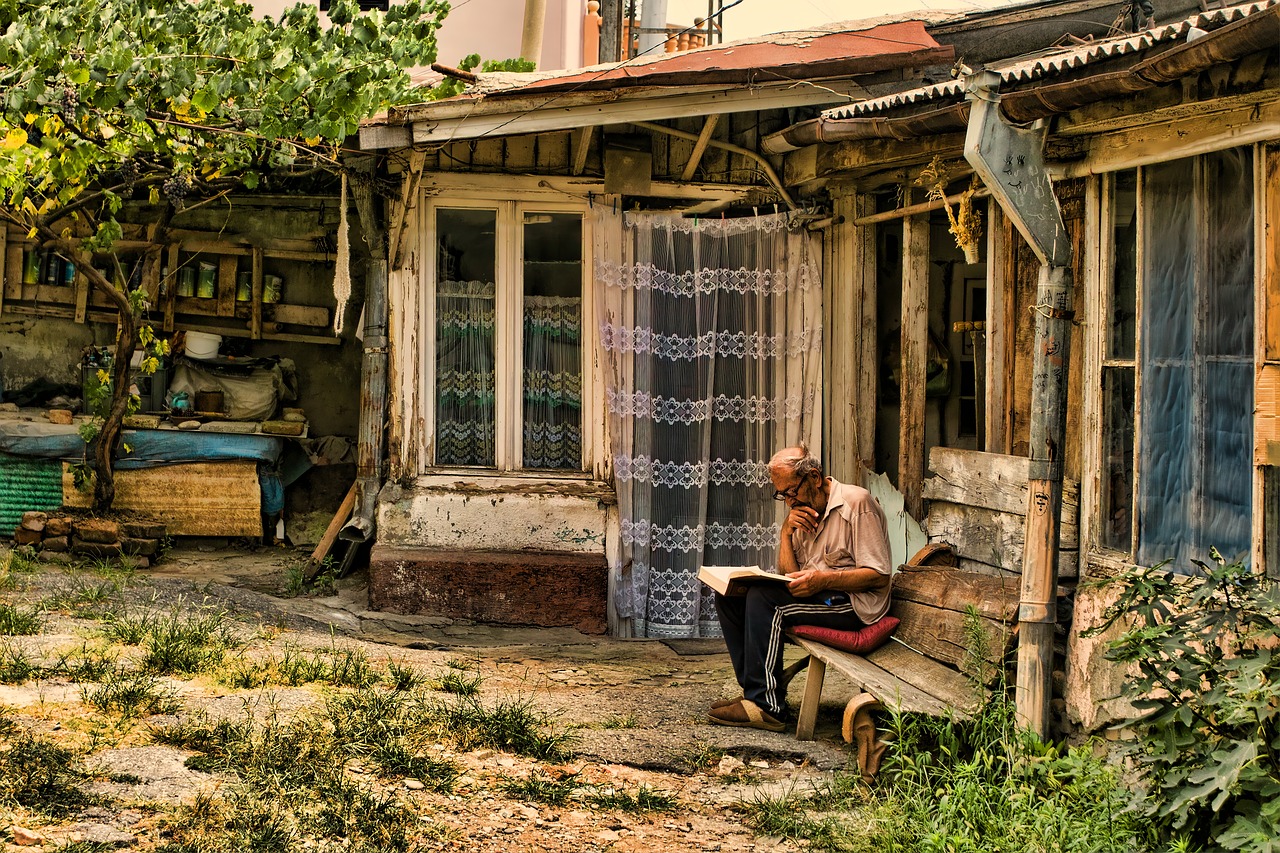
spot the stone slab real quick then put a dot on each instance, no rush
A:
(546, 589)
(98, 530)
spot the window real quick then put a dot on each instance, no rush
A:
(508, 334)
(1177, 372)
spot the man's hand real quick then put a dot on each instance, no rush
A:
(808, 582)
(802, 518)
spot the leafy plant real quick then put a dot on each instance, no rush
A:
(1207, 684)
(450, 86)
(118, 109)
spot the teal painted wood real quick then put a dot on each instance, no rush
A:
(27, 484)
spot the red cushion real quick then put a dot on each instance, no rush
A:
(860, 642)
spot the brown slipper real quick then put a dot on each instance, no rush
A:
(722, 703)
(745, 714)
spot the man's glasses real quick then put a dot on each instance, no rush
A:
(788, 494)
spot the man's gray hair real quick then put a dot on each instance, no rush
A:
(797, 461)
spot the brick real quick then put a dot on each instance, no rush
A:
(95, 549)
(27, 537)
(57, 526)
(141, 530)
(545, 589)
(55, 543)
(140, 547)
(34, 521)
(98, 530)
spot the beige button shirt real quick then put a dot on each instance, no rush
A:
(851, 534)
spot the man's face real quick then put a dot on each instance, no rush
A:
(795, 490)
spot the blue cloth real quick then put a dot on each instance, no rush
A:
(149, 446)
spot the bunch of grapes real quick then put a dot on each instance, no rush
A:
(129, 172)
(176, 188)
(76, 54)
(70, 99)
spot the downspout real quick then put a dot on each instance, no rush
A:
(373, 370)
(1010, 161)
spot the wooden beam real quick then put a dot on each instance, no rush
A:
(5, 272)
(1175, 140)
(82, 288)
(171, 289)
(408, 198)
(998, 370)
(700, 147)
(255, 297)
(582, 148)
(851, 159)
(915, 354)
(13, 270)
(227, 266)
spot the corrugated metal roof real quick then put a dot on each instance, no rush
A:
(806, 55)
(1057, 61)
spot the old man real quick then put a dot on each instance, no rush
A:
(835, 548)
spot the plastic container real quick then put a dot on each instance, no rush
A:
(203, 345)
(207, 280)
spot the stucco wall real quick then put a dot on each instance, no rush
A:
(34, 348)
(495, 514)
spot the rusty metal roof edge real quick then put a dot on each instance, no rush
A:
(1021, 70)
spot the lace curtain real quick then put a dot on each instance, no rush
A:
(552, 382)
(464, 373)
(712, 337)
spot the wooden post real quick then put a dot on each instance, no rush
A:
(915, 354)
(1038, 611)
(255, 295)
(4, 266)
(1002, 275)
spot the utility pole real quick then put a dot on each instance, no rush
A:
(653, 25)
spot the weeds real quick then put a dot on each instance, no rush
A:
(86, 665)
(402, 676)
(510, 725)
(131, 628)
(619, 721)
(19, 620)
(16, 666)
(700, 756)
(560, 790)
(339, 667)
(187, 645)
(131, 694)
(37, 774)
(457, 683)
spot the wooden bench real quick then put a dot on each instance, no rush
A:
(920, 668)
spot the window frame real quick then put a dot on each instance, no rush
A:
(508, 335)
(1099, 303)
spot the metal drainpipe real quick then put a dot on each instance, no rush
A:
(373, 379)
(1010, 161)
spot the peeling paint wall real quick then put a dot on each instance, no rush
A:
(34, 348)
(502, 514)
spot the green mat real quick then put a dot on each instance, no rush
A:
(27, 484)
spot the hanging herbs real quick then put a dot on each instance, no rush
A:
(966, 221)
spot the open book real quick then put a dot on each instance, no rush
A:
(734, 580)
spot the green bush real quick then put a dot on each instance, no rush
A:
(1207, 684)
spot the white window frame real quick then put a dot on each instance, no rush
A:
(508, 334)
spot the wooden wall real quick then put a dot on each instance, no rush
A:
(978, 506)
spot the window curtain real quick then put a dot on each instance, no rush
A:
(711, 332)
(464, 373)
(1195, 486)
(552, 382)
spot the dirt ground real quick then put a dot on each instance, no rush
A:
(636, 709)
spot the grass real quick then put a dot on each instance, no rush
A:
(37, 774)
(510, 725)
(980, 785)
(560, 790)
(15, 621)
(336, 666)
(457, 683)
(619, 721)
(700, 756)
(16, 666)
(187, 644)
(131, 694)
